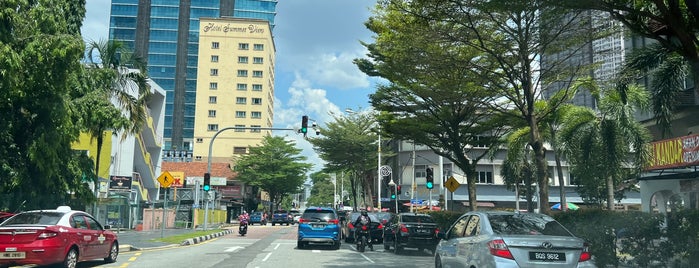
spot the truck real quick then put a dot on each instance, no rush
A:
(282, 217)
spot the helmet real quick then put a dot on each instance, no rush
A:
(364, 213)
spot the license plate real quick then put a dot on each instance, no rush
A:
(317, 226)
(12, 255)
(547, 256)
(423, 230)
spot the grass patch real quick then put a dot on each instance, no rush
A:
(176, 239)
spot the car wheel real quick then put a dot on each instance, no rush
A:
(272, 224)
(336, 246)
(300, 245)
(71, 260)
(386, 246)
(113, 253)
(437, 262)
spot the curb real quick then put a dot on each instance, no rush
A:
(191, 241)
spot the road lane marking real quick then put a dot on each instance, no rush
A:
(231, 249)
(277, 246)
(365, 257)
(267, 257)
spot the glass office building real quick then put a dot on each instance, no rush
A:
(166, 34)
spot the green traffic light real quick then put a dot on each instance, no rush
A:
(429, 185)
(393, 196)
(207, 187)
(304, 130)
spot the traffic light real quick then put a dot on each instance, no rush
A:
(430, 178)
(393, 192)
(397, 189)
(304, 125)
(207, 182)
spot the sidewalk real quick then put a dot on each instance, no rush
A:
(130, 240)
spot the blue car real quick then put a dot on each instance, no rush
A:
(319, 225)
(258, 217)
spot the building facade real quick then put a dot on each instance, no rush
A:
(166, 33)
(235, 87)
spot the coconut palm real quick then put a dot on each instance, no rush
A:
(605, 147)
(114, 74)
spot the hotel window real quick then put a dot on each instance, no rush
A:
(242, 73)
(256, 115)
(485, 177)
(420, 171)
(214, 45)
(200, 140)
(257, 101)
(240, 150)
(214, 58)
(256, 73)
(214, 72)
(212, 127)
(212, 113)
(257, 60)
(255, 128)
(243, 46)
(239, 128)
(212, 99)
(240, 114)
(259, 47)
(241, 100)
(242, 59)
(213, 85)
(256, 87)
(241, 86)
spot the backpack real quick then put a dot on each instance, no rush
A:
(364, 220)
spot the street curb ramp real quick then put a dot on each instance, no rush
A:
(197, 240)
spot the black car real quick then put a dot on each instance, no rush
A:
(411, 230)
(376, 228)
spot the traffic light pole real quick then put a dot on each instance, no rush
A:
(208, 164)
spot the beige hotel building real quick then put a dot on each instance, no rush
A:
(235, 86)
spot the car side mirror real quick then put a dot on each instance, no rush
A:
(441, 235)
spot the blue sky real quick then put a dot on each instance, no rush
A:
(316, 41)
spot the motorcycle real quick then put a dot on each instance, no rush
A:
(363, 239)
(243, 228)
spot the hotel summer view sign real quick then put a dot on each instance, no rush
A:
(232, 28)
(676, 152)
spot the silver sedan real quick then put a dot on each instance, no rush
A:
(510, 239)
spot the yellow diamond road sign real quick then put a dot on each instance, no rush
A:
(165, 179)
(452, 184)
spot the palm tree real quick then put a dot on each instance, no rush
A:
(606, 146)
(115, 74)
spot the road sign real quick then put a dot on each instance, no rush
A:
(165, 179)
(452, 184)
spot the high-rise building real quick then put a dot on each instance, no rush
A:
(235, 86)
(166, 34)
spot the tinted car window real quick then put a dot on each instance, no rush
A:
(417, 218)
(43, 218)
(513, 224)
(354, 216)
(318, 215)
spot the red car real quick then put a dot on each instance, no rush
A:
(61, 236)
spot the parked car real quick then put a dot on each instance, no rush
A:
(348, 229)
(510, 239)
(59, 236)
(411, 230)
(282, 217)
(319, 225)
(258, 217)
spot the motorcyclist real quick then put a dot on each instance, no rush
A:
(365, 220)
(243, 218)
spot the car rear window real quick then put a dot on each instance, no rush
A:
(372, 217)
(318, 214)
(41, 218)
(418, 219)
(519, 225)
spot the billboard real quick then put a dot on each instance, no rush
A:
(676, 152)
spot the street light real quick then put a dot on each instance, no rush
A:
(378, 165)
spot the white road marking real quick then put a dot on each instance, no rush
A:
(277, 246)
(231, 249)
(267, 257)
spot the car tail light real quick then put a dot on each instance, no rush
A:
(302, 220)
(380, 226)
(436, 231)
(403, 229)
(350, 226)
(47, 234)
(335, 221)
(585, 255)
(499, 248)
(364, 228)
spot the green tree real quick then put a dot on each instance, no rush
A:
(349, 145)
(433, 97)
(114, 73)
(608, 147)
(322, 191)
(40, 51)
(275, 166)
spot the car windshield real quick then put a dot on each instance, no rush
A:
(38, 217)
(257, 214)
(525, 225)
(318, 215)
(418, 218)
